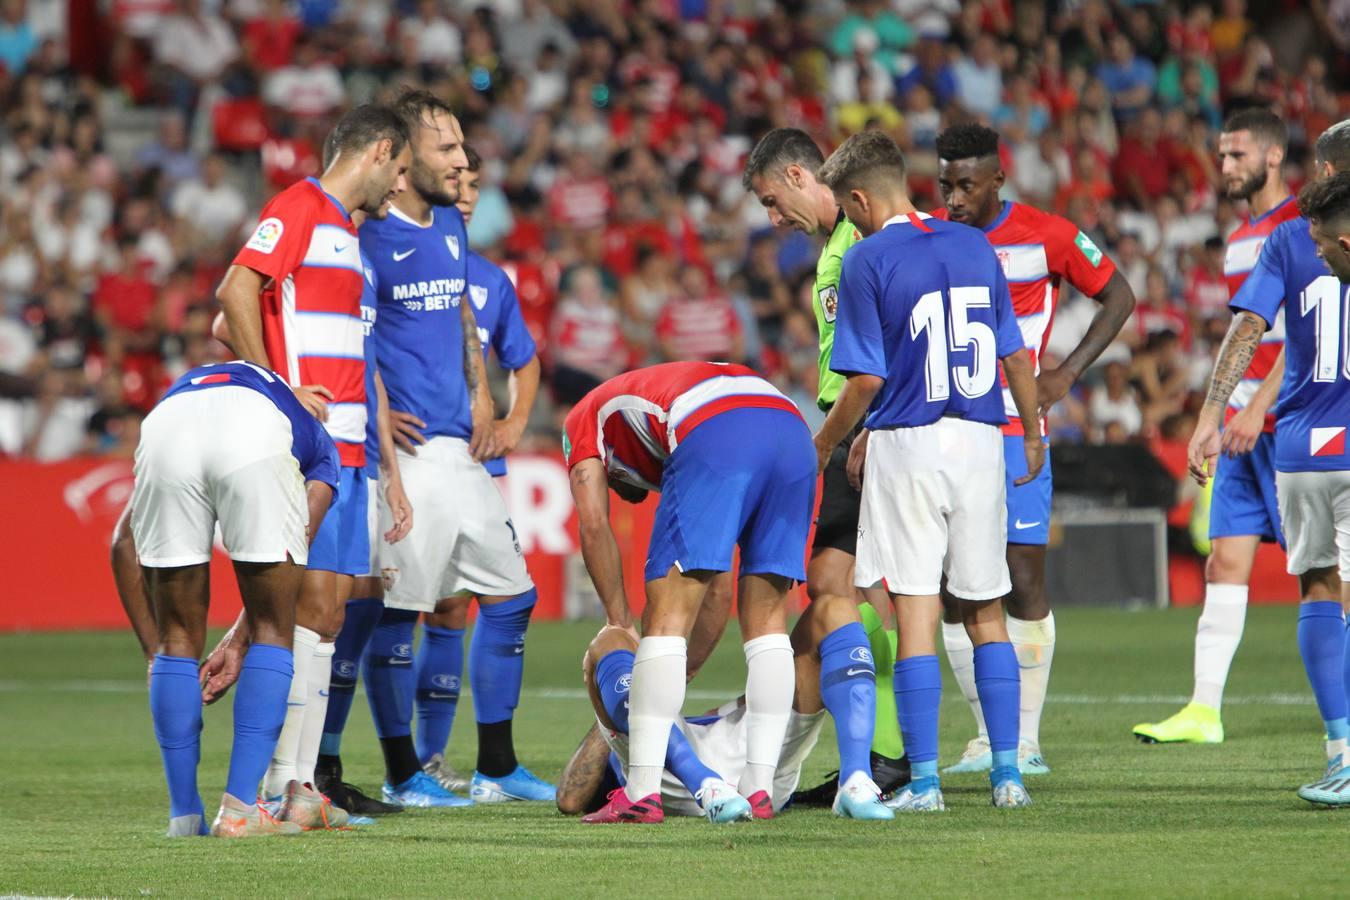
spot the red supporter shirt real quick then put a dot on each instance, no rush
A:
(579, 204)
(633, 422)
(1039, 251)
(699, 329)
(1244, 247)
(127, 300)
(1207, 292)
(305, 245)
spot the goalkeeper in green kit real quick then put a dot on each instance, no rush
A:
(781, 172)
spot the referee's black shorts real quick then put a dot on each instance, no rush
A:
(837, 522)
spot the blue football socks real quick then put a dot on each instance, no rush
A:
(176, 710)
(1321, 642)
(918, 697)
(440, 668)
(360, 621)
(496, 667)
(998, 682)
(849, 690)
(388, 672)
(259, 711)
(613, 675)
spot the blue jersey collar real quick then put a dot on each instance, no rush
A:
(1274, 209)
(1002, 217)
(331, 199)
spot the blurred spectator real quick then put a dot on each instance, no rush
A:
(979, 78)
(307, 87)
(699, 322)
(1128, 76)
(169, 153)
(124, 298)
(1206, 288)
(860, 77)
(17, 40)
(212, 206)
(587, 342)
(433, 39)
(194, 45)
(1114, 404)
(270, 39)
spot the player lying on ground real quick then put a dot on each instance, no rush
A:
(228, 444)
(705, 754)
(732, 460)
(925, 319)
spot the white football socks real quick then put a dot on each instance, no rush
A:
(961, 657)
(1217, 636)
(316, 711)
(282, 770)
(770, 682)
(1034, 644)
(656, 698)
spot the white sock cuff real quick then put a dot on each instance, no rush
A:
(659, 646)
(955, 638)
(1038, 633)
(766, 642)
(324, 649)
(306, 638)
(1226, 594)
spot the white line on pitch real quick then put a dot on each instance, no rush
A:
(110, 686)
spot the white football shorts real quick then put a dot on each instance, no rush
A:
(719, 741)
(218, 455)
(1315, 513)
(933, 504)
(462, 541)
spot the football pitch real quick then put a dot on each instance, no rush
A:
(83, 806)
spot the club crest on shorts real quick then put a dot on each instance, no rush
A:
(829, 301)
(389, 576)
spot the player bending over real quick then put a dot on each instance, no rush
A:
(228, 444)
(925, 320)
(833, 669)
(731, 458)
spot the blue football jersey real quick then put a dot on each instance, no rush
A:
(311, 446)
(369, 310)
(420, 277)
(923, 303)
(1313, 411)
(501, 328)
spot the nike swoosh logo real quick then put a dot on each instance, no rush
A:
(323, 693)
(338, 248)
(400, 257)
(851, 672)
(1022, 526)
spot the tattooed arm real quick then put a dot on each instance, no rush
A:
(581, 787)
(1239, 346)
(481, 444)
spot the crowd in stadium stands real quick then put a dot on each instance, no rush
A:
(614, 135)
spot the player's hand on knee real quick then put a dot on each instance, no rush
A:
(857, 459)
(312, 397)
(220, 670)
(407, 430)
(402, 511)
(1035, 453)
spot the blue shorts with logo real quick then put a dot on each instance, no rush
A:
(343, 542)
(744, 477)
(1029, 504)
(1244, 501)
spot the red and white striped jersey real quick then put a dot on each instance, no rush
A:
(311, 306)
(1244, 248)
(1038, 251)
(634, 421)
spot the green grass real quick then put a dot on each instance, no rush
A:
(82, 802)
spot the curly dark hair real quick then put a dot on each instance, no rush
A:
(969, 141)
(1326, 200)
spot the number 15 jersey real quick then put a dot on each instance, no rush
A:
(1314, 406)
(925, 305)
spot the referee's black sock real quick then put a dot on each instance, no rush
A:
(400, 759)
(496, 749)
